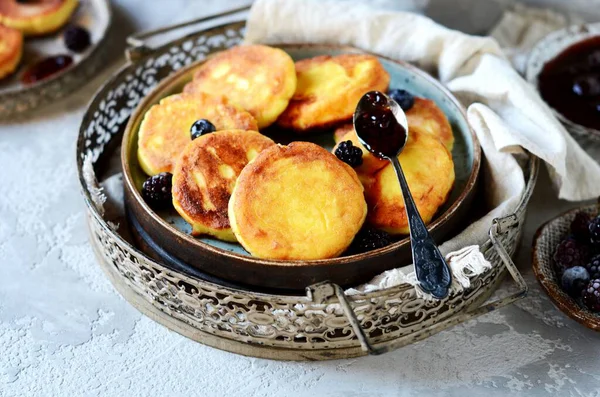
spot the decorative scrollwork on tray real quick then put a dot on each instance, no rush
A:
(283, 321)
(279, 321)
(124, 94)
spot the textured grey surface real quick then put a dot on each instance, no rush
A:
(65, 331)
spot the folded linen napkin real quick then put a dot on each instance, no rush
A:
(504, 110)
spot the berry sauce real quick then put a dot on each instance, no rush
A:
(45, 68)
(377, 127)
(570, 83)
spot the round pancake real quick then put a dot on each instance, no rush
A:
(35, 18)
(297, 202)
(329, 88)
(258, 78)
(429, 171)
(371, 164)
(11, 50)
(165, 130)
(205, 174)
(425, 117)
(340, 133)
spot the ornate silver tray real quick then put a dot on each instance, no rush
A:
(324, 323)
(16, 98)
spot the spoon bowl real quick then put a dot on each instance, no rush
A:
(382, 128)
(383, 125)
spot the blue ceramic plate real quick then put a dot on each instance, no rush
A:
(230, 261)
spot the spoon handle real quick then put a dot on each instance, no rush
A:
(433, 273)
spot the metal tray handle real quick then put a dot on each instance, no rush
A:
(323, 292)
(137, 46)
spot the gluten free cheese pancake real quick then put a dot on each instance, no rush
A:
(328, 89)
(165, 130)
(11, 50)
(36, 17)
(427, 117)
(297, 202)
(258, 78)
(205, 174)
(429, 172)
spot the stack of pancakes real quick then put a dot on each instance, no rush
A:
(18, 19)
(297, 201)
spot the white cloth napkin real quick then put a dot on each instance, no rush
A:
(521, 27)
(504, 110)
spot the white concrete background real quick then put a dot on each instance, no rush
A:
(64, 331)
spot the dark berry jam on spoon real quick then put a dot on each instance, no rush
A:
(382, 128)
(46, 68)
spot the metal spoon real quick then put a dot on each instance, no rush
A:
(382, 128)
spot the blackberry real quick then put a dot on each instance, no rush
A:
(201, 127)
(574, 280)
(580, 227)
(77, 39)
(349, 154)
(405, 99)
(593, 267)
(594, 228)
(368, 239)
(570, 253)
(156, 190)
(591, 295)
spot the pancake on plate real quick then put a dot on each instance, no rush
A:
(11, 50)
(258, 78)
(297, 202)
(205, 174)
(35, 18)
(328, 89)
(165, 129)
(425, 117)
(429, 171)
(371, 164)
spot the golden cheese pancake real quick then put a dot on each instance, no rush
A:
(297, 202)
(258, 78)
(165, 130)
(329, 88)
(427, 117)
(11, 50)
(38, 17)
(340, 133)
(429, 171)
(371, 164)
(205, 174)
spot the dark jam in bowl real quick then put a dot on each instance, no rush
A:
(377, 127)
(46, 68)
(570, 83)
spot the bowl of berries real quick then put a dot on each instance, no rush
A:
(566, 262)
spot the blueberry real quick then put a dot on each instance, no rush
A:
(587, 85)
(77, 39)
(405, 99)
(574, 280)
(201, 127)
